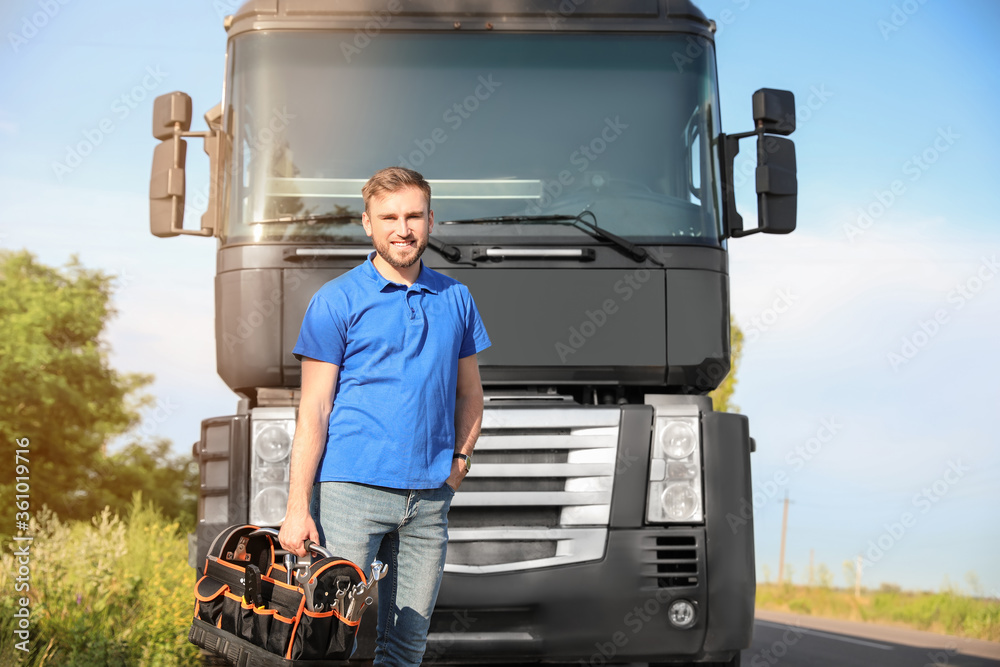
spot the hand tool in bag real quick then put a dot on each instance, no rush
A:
(251, 587)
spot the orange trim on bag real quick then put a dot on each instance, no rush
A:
(231, 566)
(295, 626)
(327, 566)
(209, 598)
(327, 614)
(278, 582)
(257, 610)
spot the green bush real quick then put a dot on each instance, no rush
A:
(109, 592)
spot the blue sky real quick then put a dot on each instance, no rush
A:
(851, 433)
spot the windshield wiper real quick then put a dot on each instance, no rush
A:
(309, 219)
(448, 251)
(638, 253)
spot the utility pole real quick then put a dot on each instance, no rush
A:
(784, 529)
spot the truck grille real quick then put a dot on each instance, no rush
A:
(539, 492)
(671, 561)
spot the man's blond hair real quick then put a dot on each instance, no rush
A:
(394, 179)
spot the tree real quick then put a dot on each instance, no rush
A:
(722, 395)
(824, 576)
(850, 572)
(167, 482)
(60, 396)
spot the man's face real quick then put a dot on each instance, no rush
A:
(399, 224)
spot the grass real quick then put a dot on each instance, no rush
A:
(947, 612)
(110, 592)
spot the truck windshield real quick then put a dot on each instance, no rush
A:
(500, 124)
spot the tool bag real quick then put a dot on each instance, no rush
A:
(247, 611)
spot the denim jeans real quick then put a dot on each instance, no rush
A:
(406, 529)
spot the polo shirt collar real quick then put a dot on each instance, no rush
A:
(424, 281)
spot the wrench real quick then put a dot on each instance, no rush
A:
(352, 600)
(339, 604)
(379, 570)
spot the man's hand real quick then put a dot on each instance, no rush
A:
(295, 530)
(457, 474)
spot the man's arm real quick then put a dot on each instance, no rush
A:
(319, 381)
(468, 415)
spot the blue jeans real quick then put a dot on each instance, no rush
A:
(406, 529)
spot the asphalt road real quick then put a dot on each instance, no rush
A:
(788, 644)
(786, 640)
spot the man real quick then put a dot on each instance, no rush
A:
(390, 411)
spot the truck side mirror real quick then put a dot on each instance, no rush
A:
(777, 183)
(171, 121)
(166, 188)
(170, 110)
(774, 110)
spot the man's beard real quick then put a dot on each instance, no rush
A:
(385, 250)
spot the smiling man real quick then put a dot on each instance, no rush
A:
(390, 411)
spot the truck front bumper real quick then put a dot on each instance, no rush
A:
(613, 610)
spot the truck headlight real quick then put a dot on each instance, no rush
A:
(678, 440)
(272, 430)
(675, 471)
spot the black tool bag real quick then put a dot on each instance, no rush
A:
(247, 613)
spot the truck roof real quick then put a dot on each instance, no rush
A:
(373, 16)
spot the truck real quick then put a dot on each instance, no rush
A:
(584, 191)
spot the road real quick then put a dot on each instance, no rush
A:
(787, 640)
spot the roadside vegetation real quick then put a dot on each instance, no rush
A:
(99, 574)
(947, 612)
(114, 591)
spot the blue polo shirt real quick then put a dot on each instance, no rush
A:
(397, 346)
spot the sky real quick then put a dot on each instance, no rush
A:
(869, 370)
